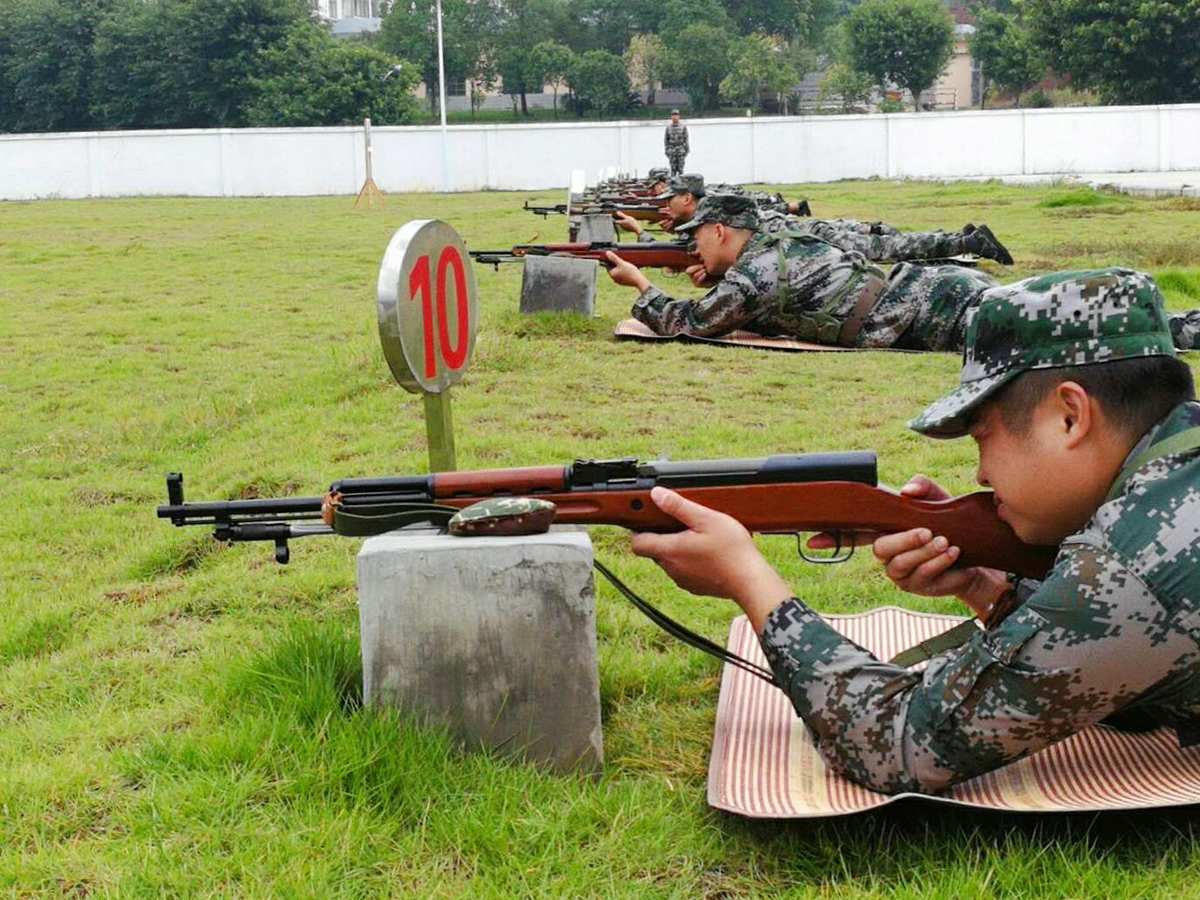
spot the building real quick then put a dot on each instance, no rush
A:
(348, 17)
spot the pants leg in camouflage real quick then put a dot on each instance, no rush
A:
(883, 242)
(676, 161)
(936, 298)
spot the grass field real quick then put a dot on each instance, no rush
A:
(181, 717)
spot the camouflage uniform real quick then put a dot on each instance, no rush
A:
(800, 286)
(916, 307)
(675, 142)
(1111, 635)
(695, 185)
(875, 240)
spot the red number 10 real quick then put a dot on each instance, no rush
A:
(454, 356)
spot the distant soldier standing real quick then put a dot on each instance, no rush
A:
(675, 142)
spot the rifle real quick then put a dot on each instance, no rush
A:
(830, 492)
(783, 494)
(646, 212)
(650, 254)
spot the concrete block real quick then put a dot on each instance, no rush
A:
(596, 227)
(559, 284)
(493, 637)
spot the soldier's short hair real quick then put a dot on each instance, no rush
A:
(1134, 393)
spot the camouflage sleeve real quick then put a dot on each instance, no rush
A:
(686, 146)
(725, 308)
(1088, 641)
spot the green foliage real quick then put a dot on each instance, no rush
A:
(644, 60)
(805, 20)
(851, 87)
(47, 63)
(608, 24)
(314, 79)
(1077, 197)
(698, 60)
(599, 83)
(185, 63)
(524, 23)
(1130, 51)
(760, 63)
(409, 31)
(553, 63)
(679, 14)
(908, 42)
(1006, 51)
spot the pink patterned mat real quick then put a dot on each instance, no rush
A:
(765, 765)
(632, 329)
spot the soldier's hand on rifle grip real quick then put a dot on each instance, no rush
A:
(919, 561)
(626, 273)
(626, 222)
(715, 557)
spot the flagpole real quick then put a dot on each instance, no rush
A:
(442, 87)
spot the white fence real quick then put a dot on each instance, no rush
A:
(305, 161)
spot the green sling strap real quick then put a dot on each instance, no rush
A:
(365, 523)
(1183, 442)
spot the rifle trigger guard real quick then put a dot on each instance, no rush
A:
(839, 554)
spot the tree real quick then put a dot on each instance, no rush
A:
(409, 31)
(1129, 51)
(1006, 53)
(47, 64)
(315, 79)
(184, 63)
(905, 42)
(644, 62)
(598, 82)
(791, 19)
(608, 24)
(851, 87)
(553, 63)
(698, 59)
(759, 63)
(524, 23)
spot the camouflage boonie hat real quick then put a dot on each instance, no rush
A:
(1046, 322)
(661, 174)
(687, 184)
(734, 210)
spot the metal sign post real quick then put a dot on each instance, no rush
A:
(427, 320)
(370, 189)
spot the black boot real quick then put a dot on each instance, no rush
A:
(980, 241)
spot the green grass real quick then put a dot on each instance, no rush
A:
(181, 717)
(1078, 197)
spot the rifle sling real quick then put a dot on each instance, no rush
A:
(1183, 442)
(682, 633)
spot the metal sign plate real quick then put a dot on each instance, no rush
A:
(427, 306)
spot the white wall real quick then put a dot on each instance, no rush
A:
(304, 161)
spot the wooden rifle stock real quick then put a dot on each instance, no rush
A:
(969, 522)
